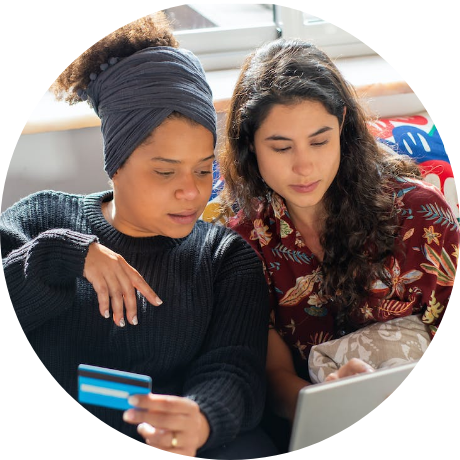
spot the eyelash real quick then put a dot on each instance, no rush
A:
(170, 173)
(316, 144)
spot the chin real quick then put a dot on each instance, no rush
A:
(178, 232)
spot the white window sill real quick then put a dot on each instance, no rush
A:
(376, 82)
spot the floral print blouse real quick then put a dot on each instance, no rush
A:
(422, 278)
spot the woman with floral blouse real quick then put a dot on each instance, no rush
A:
(348, 232)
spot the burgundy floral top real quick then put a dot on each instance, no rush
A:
(422, 278)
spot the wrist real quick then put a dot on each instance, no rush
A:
(204, 430)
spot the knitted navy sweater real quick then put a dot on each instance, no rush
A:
(207, 341)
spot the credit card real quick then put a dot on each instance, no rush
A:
(109, 387)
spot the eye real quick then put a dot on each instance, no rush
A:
(164, 173)
(319, 144)
(281, 150)
(204, 172)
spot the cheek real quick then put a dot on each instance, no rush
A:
(333, 162)
(270, 165)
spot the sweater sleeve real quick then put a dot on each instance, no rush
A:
(41, 265)
(228, 379)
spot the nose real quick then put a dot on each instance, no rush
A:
(188, 189)
(302, 163)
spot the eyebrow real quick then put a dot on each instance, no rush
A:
(277, 137)
(171, 161)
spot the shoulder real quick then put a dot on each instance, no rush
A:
(223, 242)
(417, 197)
(216, 233)
(414, 190)
(423, 203)
(41, 201)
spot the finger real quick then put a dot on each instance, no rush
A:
(129, 298)
(357, 366)
(103, 298)
(163, 439)
(161, 420)
(170, 441)
(164, 403)
(331, 377)
(143, 287)
(116, 301)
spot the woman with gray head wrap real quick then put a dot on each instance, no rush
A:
(73, 262)
(137, 94)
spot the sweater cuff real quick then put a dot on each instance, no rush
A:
(224, 418)
(75, 252)
(59, 252)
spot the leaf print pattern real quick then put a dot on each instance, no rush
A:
(299, 242)
(261, 232)
(393, 308)
(303, 287)
(408, 234)
(433, 311)
(301, 349)
(455, 253)
(430, 235)
(279, 208)
(285, 229)
(288, 254)
(398, 281)
(441, 265)
(439, 215)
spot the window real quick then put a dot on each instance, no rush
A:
(330, 38)
(222, 35)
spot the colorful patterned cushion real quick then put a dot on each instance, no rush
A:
(417, 137)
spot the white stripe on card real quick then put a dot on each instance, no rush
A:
(104, 391)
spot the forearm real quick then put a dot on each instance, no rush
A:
(41, 275)
(283, 382)
(283, 391)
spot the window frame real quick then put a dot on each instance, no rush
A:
(331, 39)
(222, 48)
(212, 45)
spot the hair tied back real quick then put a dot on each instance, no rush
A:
(82, 93)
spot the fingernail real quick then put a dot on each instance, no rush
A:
(146, 428)
(158, 301)
(135, 321)
(128, 416)
(107, 314)
(133, 400)
(121, 323)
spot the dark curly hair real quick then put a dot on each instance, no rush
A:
(361, 224)
(148, 31)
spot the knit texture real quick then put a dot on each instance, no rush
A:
(207, 341)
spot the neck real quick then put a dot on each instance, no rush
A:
(309, 219)
(108, 211)
(309, 223)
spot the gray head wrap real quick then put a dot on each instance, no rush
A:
(135, 95)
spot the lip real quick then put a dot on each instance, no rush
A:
(184, 217)
(305, 188)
